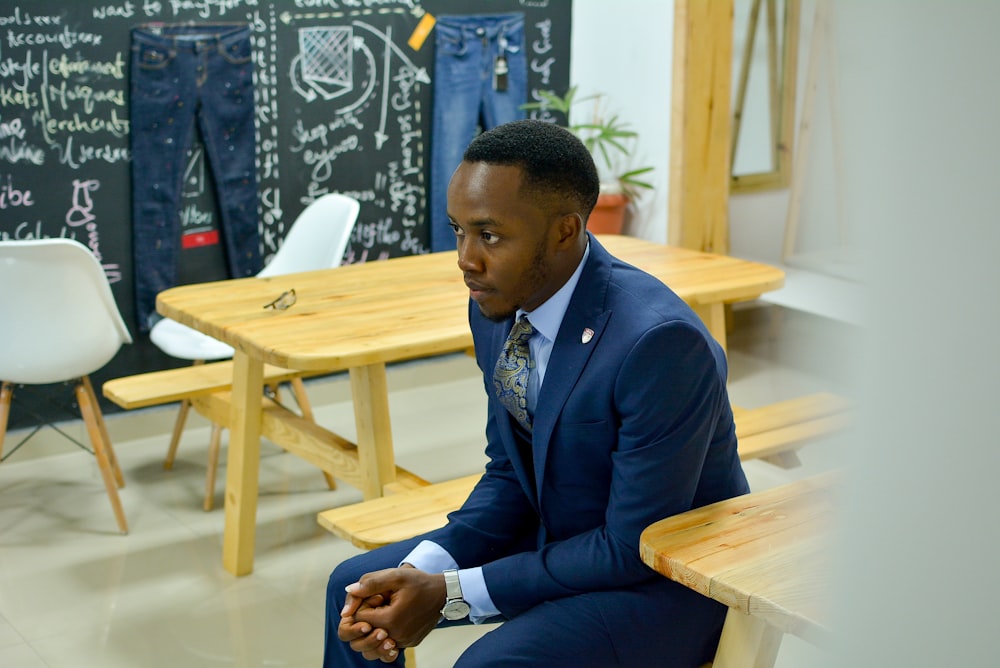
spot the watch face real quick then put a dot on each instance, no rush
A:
(455, 609)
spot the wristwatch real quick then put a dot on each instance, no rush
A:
(455, 606)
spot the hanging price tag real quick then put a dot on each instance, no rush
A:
(500, 73)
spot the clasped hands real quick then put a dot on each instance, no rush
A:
(391, 609)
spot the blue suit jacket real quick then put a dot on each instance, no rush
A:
(630, 427)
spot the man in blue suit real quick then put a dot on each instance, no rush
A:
(625, 420)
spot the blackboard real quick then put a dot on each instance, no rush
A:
(364, 130)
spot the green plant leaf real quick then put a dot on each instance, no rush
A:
(604, 136)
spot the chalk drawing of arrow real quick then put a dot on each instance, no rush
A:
(420, 73)
(381, 137)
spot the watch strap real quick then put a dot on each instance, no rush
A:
(453, 586)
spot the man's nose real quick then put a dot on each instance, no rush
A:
(468, 259)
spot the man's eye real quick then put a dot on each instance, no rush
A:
(456, 229)
(490, 238)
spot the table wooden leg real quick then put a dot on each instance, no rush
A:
(370, 392)
(714, 317)
(243, 468)
(746, 642)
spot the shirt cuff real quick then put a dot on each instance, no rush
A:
(432, 558)
(476, 595)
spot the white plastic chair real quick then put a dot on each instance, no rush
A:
(60, 323)
(316, 240)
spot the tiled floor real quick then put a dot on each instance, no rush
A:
(74, 593)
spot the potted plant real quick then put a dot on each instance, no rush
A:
(611, 142)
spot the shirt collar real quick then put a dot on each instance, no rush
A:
(547, 318)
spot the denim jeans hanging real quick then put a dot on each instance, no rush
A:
(473, 54)
(180, 73)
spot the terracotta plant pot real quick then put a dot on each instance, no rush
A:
(608, 217)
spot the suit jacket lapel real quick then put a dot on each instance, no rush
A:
(570, 352)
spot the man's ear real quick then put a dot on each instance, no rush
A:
(569, 228)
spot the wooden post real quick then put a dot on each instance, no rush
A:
(701, 125)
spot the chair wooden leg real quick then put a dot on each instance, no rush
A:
(213, 467)
(6, 395)
(90, 411)
(302, 399)
(410, 656)
(305, 407)
(102, 425)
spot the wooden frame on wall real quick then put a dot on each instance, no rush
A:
(780, 87)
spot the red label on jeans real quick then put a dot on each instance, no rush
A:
(198, 239)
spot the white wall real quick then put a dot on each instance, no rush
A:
(624, 49)
(918, 582)
(920, 95)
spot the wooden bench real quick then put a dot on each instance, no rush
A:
(164, 387)
(771, 432)
(189, 384)
(776, 431)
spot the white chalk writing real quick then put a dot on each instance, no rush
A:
(540, 46)
(208, 8)
(10, 195)
(126, 10)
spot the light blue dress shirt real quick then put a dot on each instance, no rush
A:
(546, 319)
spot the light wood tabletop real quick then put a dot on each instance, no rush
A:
(361, 317)
(765, 555)
(415, 306)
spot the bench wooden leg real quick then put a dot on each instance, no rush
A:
(214, 446)
(6, 395)
(747, 642)
(305, 409)
(175, 438)
(785, 460)
(90, 412)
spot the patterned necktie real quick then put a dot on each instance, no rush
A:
(510, 377)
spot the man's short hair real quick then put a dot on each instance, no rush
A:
(553, 159)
